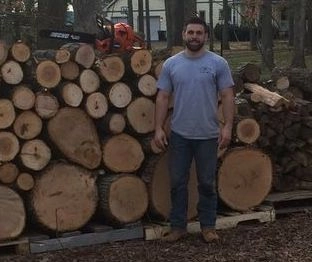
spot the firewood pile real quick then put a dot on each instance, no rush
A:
(275, 117)
(76, 140)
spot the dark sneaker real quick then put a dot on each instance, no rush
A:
(174, 235)
(210, 235)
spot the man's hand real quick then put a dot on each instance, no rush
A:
(161, 139)
(225, 137)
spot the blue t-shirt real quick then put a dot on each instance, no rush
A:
(195, 83)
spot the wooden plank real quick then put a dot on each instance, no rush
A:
(287, 196)
(265, 214)
(86, 239)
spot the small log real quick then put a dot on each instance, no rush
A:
(25, 182)
(46, 105)
(140, 115)
(9, 146)
(13, 215)
(110, 68)
(113, 123)
(8, 173)
(147, 85)
(89, 81)
(122, 154)
(75, 135)
(156, 69)
(247, 130)
(70, 70)
(7, 113)
(245, 177)
(119, 95)
(82, 54)
(250, 73)
(4, 51)
(156, 175)
(72, 94)
(35, 154)
(27, 125)
(64, 198)
(139, 61)
(48, 74)
(12, 72)
(282, 83)
(96, 105)
(59, 56)
(122, 198)
(20, 52)
(269, 98)
(23, 97)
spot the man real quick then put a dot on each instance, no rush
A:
(195, 77)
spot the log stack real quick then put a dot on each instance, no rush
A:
(76, 137)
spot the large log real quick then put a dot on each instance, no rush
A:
(27, 125)
(35, 154)
(12, 72)
(9, 146)
(20, 52)
(8, 173)
(122, 154)
(156, 175)
(110, 68)
(64, 198)
(245, 178)
(123, 198)
(75, 135)
(12, 215)
(140, 115)
(7, 113)
(139, 62)
(23, 97)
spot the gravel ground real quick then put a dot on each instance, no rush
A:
(288, 239)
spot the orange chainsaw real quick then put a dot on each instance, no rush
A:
(111, 37)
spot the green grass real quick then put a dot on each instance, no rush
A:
(240, 53)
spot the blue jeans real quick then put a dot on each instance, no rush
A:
(181, 153)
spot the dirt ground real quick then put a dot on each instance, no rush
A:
(288, 239)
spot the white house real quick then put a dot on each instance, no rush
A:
(117, 11)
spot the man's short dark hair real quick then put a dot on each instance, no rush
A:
(196, 20)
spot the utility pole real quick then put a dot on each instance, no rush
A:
(148, 24)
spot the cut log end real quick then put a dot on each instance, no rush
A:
(12, 72)
(245, 178)
(141, 62)
(248, 130)
(111, 68)
(48, 74)
(20, 52)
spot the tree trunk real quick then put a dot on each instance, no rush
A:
(242, 187)
(225, 28)
(299, 35)
(267, 34)
(64, 198)
(122, 198)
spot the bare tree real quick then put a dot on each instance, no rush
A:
(176, 13)
(84, 13)
(299, 35)
(225, 29)
(267, 34)
(309, 31)
(51, 15)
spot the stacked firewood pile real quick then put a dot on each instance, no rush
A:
(76, 132)
(280, 119)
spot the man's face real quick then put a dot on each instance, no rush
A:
(194, 37)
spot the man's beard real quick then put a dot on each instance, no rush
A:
(192, 47)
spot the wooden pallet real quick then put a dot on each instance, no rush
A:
(19, 246)
(224, 220)
(101, 234)
(290, 202)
